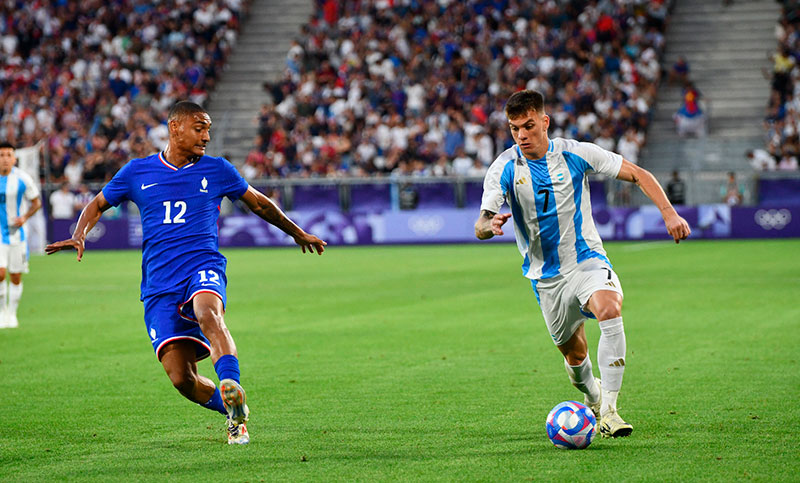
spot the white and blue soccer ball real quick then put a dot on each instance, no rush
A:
(570, 425)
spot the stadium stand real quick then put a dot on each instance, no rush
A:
(371, 88)
(782, 119)
(95, 79)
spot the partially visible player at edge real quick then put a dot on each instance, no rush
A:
(15, 184)
(178, 192)
(545, 183)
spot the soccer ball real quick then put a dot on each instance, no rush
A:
(570, 425)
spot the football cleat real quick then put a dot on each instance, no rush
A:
(11, 321)
(233, 399)
(613, 426)
(595, 407)
(4, 319)
(237, 433)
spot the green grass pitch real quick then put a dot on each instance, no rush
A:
(410, 363)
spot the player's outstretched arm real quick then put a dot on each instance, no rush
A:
(265, 208)
(677, 227)
(89, 217)
(490, 224)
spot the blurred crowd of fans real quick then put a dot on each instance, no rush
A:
(418, 87)
(782, 121)
(93, 80)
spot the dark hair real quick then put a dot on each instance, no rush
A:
(184, 108)
(6, 145)
(522, 102)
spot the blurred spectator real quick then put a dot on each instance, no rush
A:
(788, 163)
(83, 197)
(690, 118)
(62, 203)
(782, 120)
(680, 71)
(760, 160)
(732, 192)
(628, 147)
(676, 189)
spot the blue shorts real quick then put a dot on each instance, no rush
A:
(170, 316)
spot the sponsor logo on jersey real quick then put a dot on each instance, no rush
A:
(145, 186)
(521, 180)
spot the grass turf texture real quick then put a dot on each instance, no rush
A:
(410, 363)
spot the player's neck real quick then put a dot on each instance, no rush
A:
(178, 159)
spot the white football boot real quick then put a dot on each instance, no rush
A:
(613, 426)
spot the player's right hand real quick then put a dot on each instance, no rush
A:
(498, 221)
(66, 245)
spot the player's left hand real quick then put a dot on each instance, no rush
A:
(678, 228)
(66, 245)
(311, 243)
(18, 221)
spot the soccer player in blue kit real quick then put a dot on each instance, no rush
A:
(545, 183)
(178, 192)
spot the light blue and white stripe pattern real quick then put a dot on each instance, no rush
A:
(550, 203)
(13, 188)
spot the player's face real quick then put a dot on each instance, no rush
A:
(7, 160)
(530, 133)
(191, 134)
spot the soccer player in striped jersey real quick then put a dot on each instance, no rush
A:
(15, 185)
(178, 192)
(545, 183)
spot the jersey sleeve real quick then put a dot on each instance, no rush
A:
(234, 185)
(495, 186)
(600, 160)
(31, 191)
(118, 189)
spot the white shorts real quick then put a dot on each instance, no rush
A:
(563, 298)
(14, 258)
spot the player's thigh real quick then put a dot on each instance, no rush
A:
(561, 312)
(5, 251)
(17, 258)
(205, 295)
(165, 324)
(598, 288)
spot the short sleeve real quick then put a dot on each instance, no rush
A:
(600, 160)
(235, 186)
(118, 189)
(494, 187)
(31, 191)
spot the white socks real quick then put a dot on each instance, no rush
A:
(611, 358)
(3, 295)
(581, 377)
(14, 294)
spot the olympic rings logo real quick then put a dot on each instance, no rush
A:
(773, 219)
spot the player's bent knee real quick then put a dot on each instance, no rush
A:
(609, 311)
(575, 358)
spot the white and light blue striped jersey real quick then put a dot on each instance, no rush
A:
(13, 188)
(550, 203)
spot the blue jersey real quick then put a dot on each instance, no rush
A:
(550, 203)
(179, 209)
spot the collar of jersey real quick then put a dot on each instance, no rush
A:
(166, 163)
(543, 159)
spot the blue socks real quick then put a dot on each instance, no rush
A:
(227, 367)
(215, 403)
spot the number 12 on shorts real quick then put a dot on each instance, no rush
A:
(209, 276)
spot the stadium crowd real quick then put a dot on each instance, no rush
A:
(94, 79)
(418, 87)
(782, 120)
